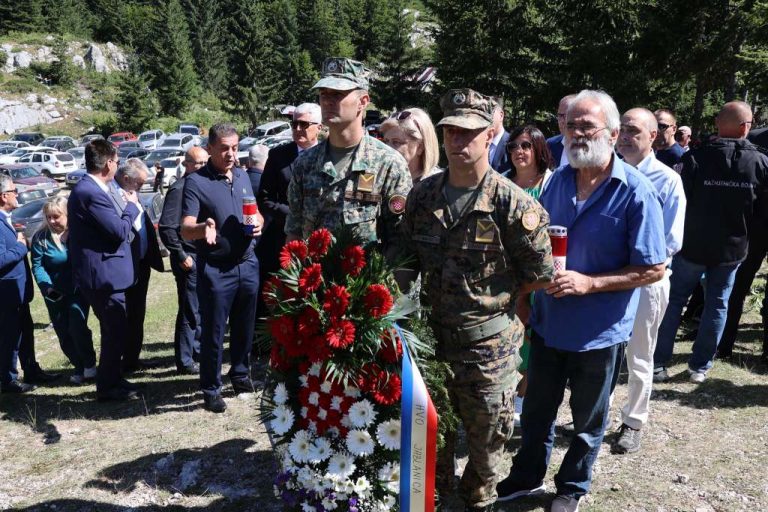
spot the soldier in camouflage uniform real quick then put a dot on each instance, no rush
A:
(480, 241)
(350, 179)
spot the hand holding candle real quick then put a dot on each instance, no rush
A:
(558, 236)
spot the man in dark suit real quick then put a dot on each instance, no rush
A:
(556, 144)
(497, 154)
(183, 256)
(257, 158)
(145, 251)
(273, 191)
(102, 265)
(759, 137)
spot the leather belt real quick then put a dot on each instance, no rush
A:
(464, 335)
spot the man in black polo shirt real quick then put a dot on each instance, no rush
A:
(228, 271)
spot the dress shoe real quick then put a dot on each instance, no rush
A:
(17, 387)
(130, 386)
(243, 385)
(40, 376)
(191, 369)
(140, 366)
(214, 403)
(116, 394)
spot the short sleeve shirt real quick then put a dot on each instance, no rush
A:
(209, 194)
(620, 224)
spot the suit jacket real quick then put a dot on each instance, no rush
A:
(99, 246)
(759, 137)
(500, 162)
(555, 145)
(15, 278)
(153, 255)
(170, 224)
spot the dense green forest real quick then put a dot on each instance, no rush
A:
(241, 57)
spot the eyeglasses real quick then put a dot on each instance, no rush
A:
(523, 145)
(301, 124)
(561, 116)
(587, 129)
(663, 127)
(12, 191)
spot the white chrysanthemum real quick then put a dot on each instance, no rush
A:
(362, 413)
(322, 413)
(389, 501)
(305, 477)
(345, 421)
(315, 369)
(314, 398)
(300, 446)
(352, 392)
(304, 412)
(325, 387)
(321, 450)
(360, 443)
(341, 466)
(388, 434)
(389, 476)
(336, 403)
(304, 380)
(362, 486)
(306, 507)
(281, 394)
(329, 504)
(282, 421)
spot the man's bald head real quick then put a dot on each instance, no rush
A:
(734, 120)
(562, 111)
(636, 135)
(194, 159)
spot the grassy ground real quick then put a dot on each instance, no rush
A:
(704, 449)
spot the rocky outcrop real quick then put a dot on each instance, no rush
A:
(17, 115)
(102, 58)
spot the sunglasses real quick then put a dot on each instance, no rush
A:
(302, 124)
(514, 145)
(663, 126)
(12, 191)
(401, 116)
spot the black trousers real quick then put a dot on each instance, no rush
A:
(136, 303)
(186, 338)
(109, 307)
(758, 248)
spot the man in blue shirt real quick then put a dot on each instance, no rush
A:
(228, 271)
(583, 319)
(668, 151)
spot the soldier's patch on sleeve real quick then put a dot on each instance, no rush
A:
(531, 220)
(484, 231)
(397, 204)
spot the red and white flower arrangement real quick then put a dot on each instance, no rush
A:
(333, 405)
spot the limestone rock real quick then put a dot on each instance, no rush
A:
(95, 58)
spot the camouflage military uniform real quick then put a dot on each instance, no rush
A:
(472, 269)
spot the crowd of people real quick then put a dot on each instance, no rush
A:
(647, 218)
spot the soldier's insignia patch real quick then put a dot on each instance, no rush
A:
(484, 232)
(333, 66)
(397, 204)
(459, 98)
(365, 182)
(530, 220)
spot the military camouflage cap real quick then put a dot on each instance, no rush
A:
(343, 75)
(466, 108)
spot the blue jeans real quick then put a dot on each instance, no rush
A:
(592, 374)
(717, 289)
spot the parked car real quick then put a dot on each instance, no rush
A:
(7, 150)
(28, 218)
(60, 143)
(12, 157)
(79, 154)
(50, 163)
(27, 178)
(118, 138)
(189, 129)
(14, 144)
(152, 202)
(161, 154)
(151, 138)
(131, 149)
(173, 170)
(90, 138)
(203, 142)
(33, 138)
(73, 177)
(271, 128)
(31, 195)
(178, 141)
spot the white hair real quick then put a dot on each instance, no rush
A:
(607, 106)
(131, 168)
(313, 109)
(258, 155)
(6, 183)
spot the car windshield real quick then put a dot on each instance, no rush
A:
(117, 138)
(49, 143)
(148, 136)
(65, 157)
(259, 133)
(20, 152)
(28, 210)
(192, 130)
(76, 151)
(4, 150)
(172, 143)
(24, 172)
(170, 162)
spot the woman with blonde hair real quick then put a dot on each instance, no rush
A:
(66, 307)
(411, 133)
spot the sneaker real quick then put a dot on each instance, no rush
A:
(509, 490)
(77, 379)
(89, 373)
(660, 374)
(628, 440)
(697, 377)
(565, 504)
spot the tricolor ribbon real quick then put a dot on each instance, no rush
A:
(418, 439)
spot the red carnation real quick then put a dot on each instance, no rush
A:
(340, 334)
(318, 243)
(318, 350)
(336, 300)
(294, 248)
(308, 323)
(282, 328)
(353, 260)
(389, 390)
(378, 300)
(391, 349)
(310, 279)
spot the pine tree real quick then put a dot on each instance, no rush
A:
(170, 61)
(136, 105)
(63, 71)
(70, 17)
(254, 86)
(22, 18)
(328, 33)
(209, 49)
